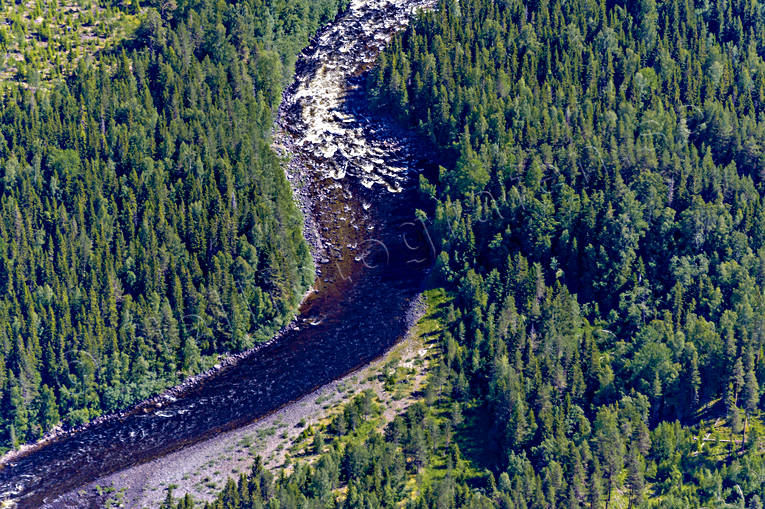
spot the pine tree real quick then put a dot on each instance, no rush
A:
(49, 416)
(635, 477)
(751, 392)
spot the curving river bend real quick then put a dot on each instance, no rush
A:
(353, 177)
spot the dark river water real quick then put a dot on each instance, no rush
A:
(354, 179)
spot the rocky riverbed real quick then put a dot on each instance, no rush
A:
(353, 177)
(203, 468)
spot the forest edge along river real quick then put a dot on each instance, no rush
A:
(354, 178)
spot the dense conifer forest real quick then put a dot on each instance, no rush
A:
(601, 226)
(145, 223)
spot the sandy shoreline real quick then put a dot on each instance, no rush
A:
(203, 468)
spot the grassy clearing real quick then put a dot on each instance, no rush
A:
(715, 440)
(42, 41)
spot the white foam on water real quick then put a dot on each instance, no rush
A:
(346, 145)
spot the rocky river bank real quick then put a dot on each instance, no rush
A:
(353, 177)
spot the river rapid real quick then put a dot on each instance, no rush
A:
(354, 178)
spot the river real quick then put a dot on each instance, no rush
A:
(353, 176)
